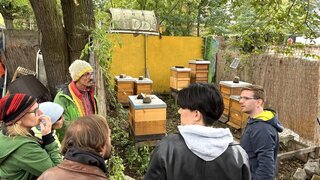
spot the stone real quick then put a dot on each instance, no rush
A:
(315, 177)
(300, 174)
(312, 167)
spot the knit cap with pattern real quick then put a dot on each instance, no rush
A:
(79, 68)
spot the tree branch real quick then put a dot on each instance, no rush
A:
(294, 1)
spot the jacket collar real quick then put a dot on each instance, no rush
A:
(81, 168)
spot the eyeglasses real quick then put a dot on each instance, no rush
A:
(247, 98)
(35, 111)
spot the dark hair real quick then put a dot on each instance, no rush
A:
(258, 91)
(203, 97)
(87, 133)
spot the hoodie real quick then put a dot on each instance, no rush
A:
(260, 140)
(206, 142)
(23, 158)
(198, 153)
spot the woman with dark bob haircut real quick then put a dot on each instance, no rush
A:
(86, 145)
(199, 151)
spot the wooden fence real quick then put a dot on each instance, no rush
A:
(292, 87)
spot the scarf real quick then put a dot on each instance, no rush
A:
(77, 97)
(85, 157)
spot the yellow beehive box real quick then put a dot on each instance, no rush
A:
(142, 85)
(237, 118)
(228, 88)
(124, 86)
(199, 70)
(147, 118)
(179, 77)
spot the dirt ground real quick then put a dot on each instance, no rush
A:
(286, 168)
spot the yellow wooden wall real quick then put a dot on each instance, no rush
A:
(161, 54)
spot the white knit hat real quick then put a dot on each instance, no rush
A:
(53, 110)
(78, 68)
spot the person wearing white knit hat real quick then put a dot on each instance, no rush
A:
(77, 98)
(55, 113)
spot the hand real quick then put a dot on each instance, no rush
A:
(46, 125)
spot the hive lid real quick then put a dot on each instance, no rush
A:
(199, 62)
(155, 103)
(181, 69)
(126, 79)
(232, 84)
(235, 97)
(143, 81)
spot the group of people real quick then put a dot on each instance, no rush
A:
(31, 134)
(199, 151)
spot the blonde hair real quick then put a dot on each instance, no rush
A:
(15, 130)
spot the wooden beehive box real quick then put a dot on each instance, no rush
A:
(143, 85)
(228, 88)
(124, 88)
(237, 119)
(199, 70)
(179, 77)
(147, 119)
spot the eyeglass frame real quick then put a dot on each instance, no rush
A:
(35, 111)
(247, 98)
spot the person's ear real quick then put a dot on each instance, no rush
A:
(260, 102)
(198, 115)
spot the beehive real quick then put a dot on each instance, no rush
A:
(237, 119)
(143, 85)
(147, 119)
(199, 70)
(124, 88)
(179, 77)
(228, 88)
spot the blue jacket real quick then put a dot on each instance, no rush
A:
(261, 142)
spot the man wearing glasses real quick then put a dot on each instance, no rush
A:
(77, 98)
(260, 138)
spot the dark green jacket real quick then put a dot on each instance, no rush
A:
(23, 158)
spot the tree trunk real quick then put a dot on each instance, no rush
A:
(54, 45)
(8, 23)
(78, 19)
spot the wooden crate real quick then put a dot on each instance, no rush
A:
(228, 88)
(124, 88)
(147, 119)
(143, 86)
(237, 119)
(179, 78)
(199, 70)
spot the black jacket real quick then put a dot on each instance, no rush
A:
(172, 160)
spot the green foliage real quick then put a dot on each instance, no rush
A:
(258, 24)
(116, 168)
(18, 10)
(138, 160)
